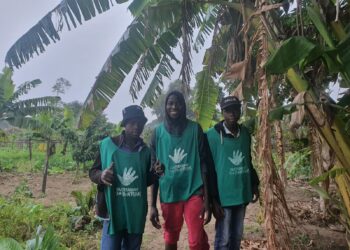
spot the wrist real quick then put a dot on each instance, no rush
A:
(100, 179)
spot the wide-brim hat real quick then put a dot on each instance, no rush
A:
(230, 101)
(133, 112)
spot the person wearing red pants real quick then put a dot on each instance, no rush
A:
(178, 157)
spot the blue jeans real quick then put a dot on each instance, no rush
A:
(119, 241)
(229, 230)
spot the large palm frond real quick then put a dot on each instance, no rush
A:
(24, 88)
(145, 41)
(206, 27)
(205, 99)
(123, 57)
(155, 87)
(67, 14)
(152, 58)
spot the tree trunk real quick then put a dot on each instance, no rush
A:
(280, 152)
(30, 148)
(77, 168)
(276, 209)
(279, 137)
(316, 161)
(64, 150)
(46, 167)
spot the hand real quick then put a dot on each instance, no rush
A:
(107, 175)
(154, 217)
(218, 212)
(256, 194)
(206, 213)
(159, 168)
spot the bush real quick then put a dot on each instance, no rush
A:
(298, 164)
(20, 217)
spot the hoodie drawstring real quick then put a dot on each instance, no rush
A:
(222, 142)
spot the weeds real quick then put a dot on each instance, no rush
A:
(20, 218)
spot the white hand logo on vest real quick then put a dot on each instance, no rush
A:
(129, 175)
(236, 158)
(179, 155)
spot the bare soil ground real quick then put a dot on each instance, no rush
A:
(311, 231)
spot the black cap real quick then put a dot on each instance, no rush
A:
(228, 101)
(133, 112)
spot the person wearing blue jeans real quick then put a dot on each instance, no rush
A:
(121, 241)
(229, 230)
(122, 172)
(236, 179)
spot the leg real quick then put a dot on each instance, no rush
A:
(197, 237)
(173, 220)
(237, 224)
(133, 241)
(222, 228)
(110, 242)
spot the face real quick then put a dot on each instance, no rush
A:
(173, 107)
(231, 115)
(133, 128)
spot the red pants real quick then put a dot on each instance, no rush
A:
(174, 213)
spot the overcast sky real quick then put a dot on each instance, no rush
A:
(78, 57)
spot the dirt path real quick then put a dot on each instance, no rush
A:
(312, 231)
(58, 188)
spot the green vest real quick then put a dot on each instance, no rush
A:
(232, 164)
(127, 198)
(180, 156)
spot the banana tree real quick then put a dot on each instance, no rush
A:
(233, 27)
(15, 110)
(147, 44)
(296, 55)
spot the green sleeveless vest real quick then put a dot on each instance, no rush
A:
(180, 156)
(127, 198)
(232, 165)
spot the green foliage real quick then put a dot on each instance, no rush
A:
(10, 244)
(205, 99)
(46, 227)
(332, 173)
(298, 164)
(23, 190)
(279, 112)
(15, 110)
(291, 52)
(44, 240)
(84, 202)
(86, 147)
(14, 159)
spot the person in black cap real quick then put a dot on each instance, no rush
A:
(237, 180)
(122, 173)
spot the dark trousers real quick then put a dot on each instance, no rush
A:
(119, 241)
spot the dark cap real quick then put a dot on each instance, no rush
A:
(133, 112)
(228, 101)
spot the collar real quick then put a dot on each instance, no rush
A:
(122, 144)
(227, 131)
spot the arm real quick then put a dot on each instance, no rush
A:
(150, 176)
(253, 176)
(154, 215)
(204, 173)
(100, 177)
(96, 171)
(218, 212)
